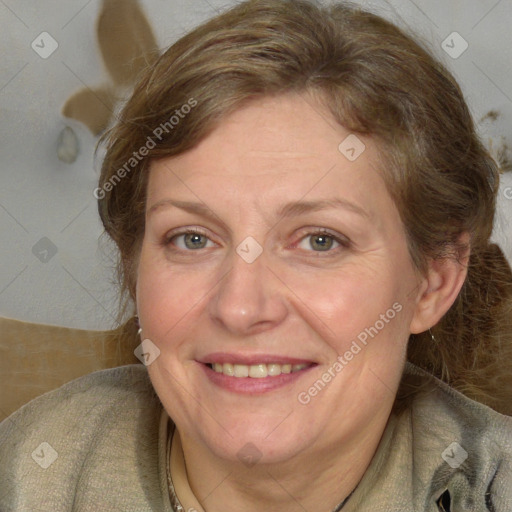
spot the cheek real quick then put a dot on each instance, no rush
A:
(344, 301)
(368, 315)
(163, 296)
(171, 299)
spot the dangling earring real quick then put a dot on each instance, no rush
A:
(432, 336)
(137, 323)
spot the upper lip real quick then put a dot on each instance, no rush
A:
(251, 359)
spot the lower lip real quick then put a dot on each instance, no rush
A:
(250, 385)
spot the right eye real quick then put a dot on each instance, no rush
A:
(193, 239)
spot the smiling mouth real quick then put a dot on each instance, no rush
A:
(257, 371)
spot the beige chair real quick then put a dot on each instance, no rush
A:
(36, 358)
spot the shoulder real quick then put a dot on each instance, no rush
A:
(466, 445)
(93, 394)
(437, 399)
(103, 424)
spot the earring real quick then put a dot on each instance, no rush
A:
(432, 336)
(137, 323)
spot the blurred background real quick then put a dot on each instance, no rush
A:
(56, 267)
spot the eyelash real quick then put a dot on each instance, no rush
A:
(343, 242)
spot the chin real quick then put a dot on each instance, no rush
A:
(252, 440)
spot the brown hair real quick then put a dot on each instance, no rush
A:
(376, 80)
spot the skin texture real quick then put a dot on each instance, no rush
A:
(295, 300)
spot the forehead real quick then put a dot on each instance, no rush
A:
(290, 126)
(273, 147)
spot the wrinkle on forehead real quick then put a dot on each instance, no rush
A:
(270, 152)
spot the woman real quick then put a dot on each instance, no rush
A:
(303, 211)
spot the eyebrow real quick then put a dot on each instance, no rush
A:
(291, 209)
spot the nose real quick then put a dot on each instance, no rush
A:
(249, 298)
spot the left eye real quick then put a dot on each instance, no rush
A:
(322, 241)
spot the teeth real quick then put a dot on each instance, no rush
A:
(227, 369)
(256, 371)
(241, 370)
(273, 369)
(286, 368)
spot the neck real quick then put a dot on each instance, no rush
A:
(317, 479)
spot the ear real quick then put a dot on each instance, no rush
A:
(440, 287)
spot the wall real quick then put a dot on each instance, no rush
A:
(56, 268)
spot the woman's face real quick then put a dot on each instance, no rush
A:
(319, 320)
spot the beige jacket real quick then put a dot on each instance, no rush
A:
(101, 444)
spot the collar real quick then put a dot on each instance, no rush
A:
(179, 486)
